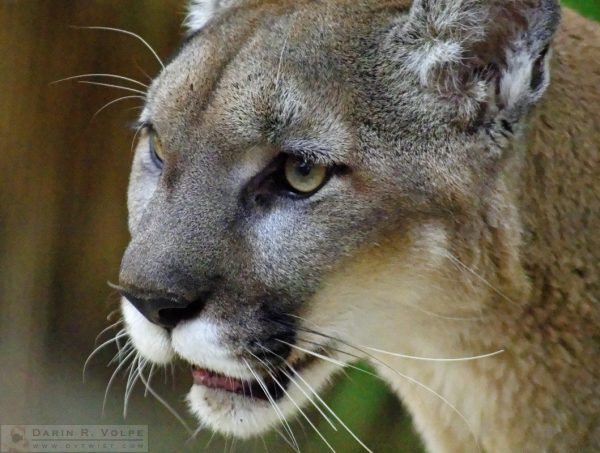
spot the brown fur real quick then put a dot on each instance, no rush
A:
(446, 238)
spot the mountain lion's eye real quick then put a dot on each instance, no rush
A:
(303, 176)
(156, 149)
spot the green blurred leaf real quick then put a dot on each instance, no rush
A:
(589, 8)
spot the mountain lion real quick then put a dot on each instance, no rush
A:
(318, 182)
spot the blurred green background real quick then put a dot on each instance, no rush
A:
(589, 8)
(63, 229)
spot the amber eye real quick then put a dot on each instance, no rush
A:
(304, 176)
(156, 148)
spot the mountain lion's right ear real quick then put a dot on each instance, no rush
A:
(200, 12)
(478, 53)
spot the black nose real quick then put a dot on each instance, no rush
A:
(164, 311)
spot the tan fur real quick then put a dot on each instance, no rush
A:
(550, 370)
(466, 243)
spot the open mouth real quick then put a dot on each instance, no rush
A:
(272, 385)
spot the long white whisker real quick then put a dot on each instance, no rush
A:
(479, 277)
(112, 76)
(316, 354)
(117, 100)
(165, 404)
(111, 85)
(331, 411)
(444, 317)
(98, 349)
(285, 438)
(316, 394)
(397, 354)
(138, 366)
(306, 417)
(212, 437)
(131, 372)
(195, 434)
(429, 359)
(150, 374)
(112, 378)
(262, 438)
(302, 390)
(309, 398)
(106, 329)
(137, 132)
(118, 30)
(402, 375)
(280, 415)
(121, 352)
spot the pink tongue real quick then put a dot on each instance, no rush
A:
(214, 380)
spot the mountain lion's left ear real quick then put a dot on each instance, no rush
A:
(200, 12)
(476, 54)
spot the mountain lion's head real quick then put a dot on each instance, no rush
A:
(311, 181)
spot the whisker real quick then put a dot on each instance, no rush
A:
(444, 317)
(479, 277)
(331, 411)
(316, 354)
(414, 381)
(122, 351)
(119, 334)
(306, 417)
(113, 76)
(111, 85)
(301, 389)
(210, 440)
(397, 354)
(403, 356)
(142, 70)
(112, 378)
(112, 313)
(402, 375)
(117, 100)
(150, 374)
(106, 329)
(280, 415)
(195, 434)
(165, 404)
(137, 365)
(316, 394)
(429, 359)
(126, 32)
(262, 438)
(137, 132)
(284, 438)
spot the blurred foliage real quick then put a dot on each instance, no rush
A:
(589, 8)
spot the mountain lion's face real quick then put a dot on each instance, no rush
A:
(301, 178)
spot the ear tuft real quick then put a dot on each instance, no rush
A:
(200, 12)
(479, 51)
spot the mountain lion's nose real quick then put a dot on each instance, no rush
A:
(163, 311)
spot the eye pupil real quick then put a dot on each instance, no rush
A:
(304, 168)
(303, 176)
